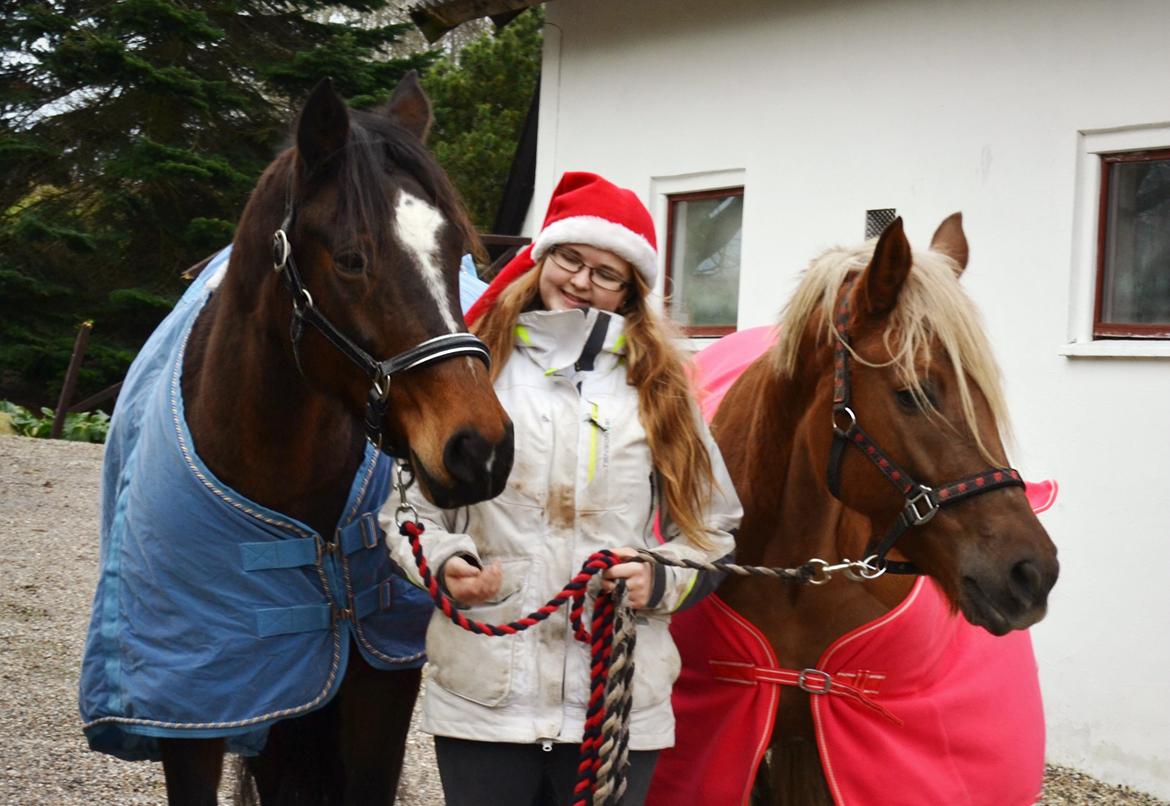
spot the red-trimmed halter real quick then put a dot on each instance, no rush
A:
(922, 501)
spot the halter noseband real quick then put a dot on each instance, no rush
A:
(922, 501)
(438, 348)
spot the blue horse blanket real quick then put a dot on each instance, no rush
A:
(215, 616)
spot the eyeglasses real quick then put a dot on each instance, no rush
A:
(601, 276)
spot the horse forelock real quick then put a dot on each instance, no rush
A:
(932, 306)
(377, 145)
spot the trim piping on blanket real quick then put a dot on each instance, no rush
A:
(826, 762)
(239, 723)
(773, 691)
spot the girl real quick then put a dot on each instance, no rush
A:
(606, 436)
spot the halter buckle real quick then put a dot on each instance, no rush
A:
(920, 508)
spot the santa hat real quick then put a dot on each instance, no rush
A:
(586, 209)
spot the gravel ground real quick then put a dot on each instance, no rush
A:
(48, 524)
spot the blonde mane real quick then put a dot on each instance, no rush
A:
(932, 305)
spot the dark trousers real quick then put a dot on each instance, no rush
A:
(500, 774)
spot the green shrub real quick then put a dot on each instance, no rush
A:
(80, 426)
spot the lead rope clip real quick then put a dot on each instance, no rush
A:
(403, 478)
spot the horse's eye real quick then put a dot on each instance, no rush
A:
(350, 262)
(907, 400)
(911, 403)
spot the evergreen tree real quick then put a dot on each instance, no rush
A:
(131, 132)
(481, 96)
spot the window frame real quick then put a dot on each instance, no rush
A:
(695, 331)
(1115, 330)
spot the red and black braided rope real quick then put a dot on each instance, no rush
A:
(599, 636)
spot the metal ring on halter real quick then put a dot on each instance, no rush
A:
(308, 299)
(281, 249)
(858, 569)
(852, 419)
(869, 569)
(382, 392)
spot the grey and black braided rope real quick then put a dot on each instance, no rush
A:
(615, 730)
(802, 573)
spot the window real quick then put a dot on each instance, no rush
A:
(703, 244)
(1133, 246)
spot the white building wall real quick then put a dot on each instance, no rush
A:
(830, 108)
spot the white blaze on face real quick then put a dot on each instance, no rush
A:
(417, 225)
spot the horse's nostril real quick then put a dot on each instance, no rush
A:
(1027, 580)
(466, 456)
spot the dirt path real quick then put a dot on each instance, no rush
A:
(49, 529)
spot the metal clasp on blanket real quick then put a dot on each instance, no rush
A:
(823, 678)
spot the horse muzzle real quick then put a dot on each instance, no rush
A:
(474, 469)
(1001, 603)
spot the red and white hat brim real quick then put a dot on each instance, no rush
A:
(602, 234)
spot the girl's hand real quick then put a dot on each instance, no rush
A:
(470, 585)
(639, 578)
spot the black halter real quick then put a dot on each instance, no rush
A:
(922, 502)
(438, 348)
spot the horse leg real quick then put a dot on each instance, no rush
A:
(192, 768)
(376, 707)
(299, 763)
(348, 752)
(795, 772)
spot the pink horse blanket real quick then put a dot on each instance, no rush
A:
(917, 707)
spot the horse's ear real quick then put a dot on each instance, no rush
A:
(410, 107)
(323, 127)
(949, 240)
(882, 280)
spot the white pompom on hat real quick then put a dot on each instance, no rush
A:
(588, 209)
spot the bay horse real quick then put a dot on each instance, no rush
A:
(879, 403)
(283, 387)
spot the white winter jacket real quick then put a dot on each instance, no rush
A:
(582, 481)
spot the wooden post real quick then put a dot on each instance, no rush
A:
(70, 380)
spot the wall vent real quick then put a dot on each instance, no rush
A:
(878, 220)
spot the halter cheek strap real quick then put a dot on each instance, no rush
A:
(380, 373)
(921, 501)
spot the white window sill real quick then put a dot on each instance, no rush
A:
(1117, 348)
(693, 344)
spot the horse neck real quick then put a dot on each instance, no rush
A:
(789, 515)
(786, 514)
(257, 423)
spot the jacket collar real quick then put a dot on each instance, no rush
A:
(586, 339)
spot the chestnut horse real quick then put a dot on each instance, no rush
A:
(879, 407)
(292, 382)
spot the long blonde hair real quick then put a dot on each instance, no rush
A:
(666, 408)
